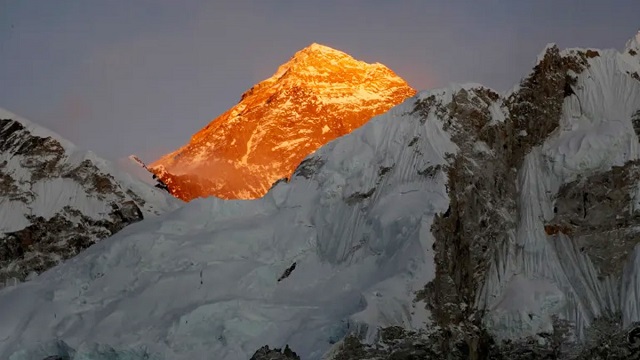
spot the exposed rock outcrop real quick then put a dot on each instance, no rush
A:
(482, 184)
(600, 213)
(265, 353)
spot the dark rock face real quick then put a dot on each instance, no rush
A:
(47, 242)
(90, 177)
(463, 233)
(287, 272)
(635, 120)
(605, 340)
(395, 343)
(482, 188)
(8, 187)
(40, 155)
(597, 212)
(265, 353)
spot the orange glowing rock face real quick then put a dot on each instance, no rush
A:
(317, 96)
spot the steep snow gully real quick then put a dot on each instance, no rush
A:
(454, 188)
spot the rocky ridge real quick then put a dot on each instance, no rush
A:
(56, 201)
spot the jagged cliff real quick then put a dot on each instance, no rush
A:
(318, 95)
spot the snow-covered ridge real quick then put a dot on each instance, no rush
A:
(355, 219)
(57, 199)
(38, 130)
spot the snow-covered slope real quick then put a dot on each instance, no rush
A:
(202, 280)
(460, 214)
(315, 97)
(56, 200)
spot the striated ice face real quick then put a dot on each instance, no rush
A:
(545, 275)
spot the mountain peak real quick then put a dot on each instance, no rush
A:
(319, 48)
(319, 64)
(319, 94)
(317, 56)
(316, 50)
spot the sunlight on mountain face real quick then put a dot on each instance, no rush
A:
(318, 95)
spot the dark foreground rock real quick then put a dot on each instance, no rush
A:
(265, 353)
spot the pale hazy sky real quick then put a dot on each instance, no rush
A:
(141, 76)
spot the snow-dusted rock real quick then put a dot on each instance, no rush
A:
(56, 200)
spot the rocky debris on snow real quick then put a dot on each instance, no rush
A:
(605, 340)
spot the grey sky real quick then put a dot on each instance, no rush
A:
(141, 76)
